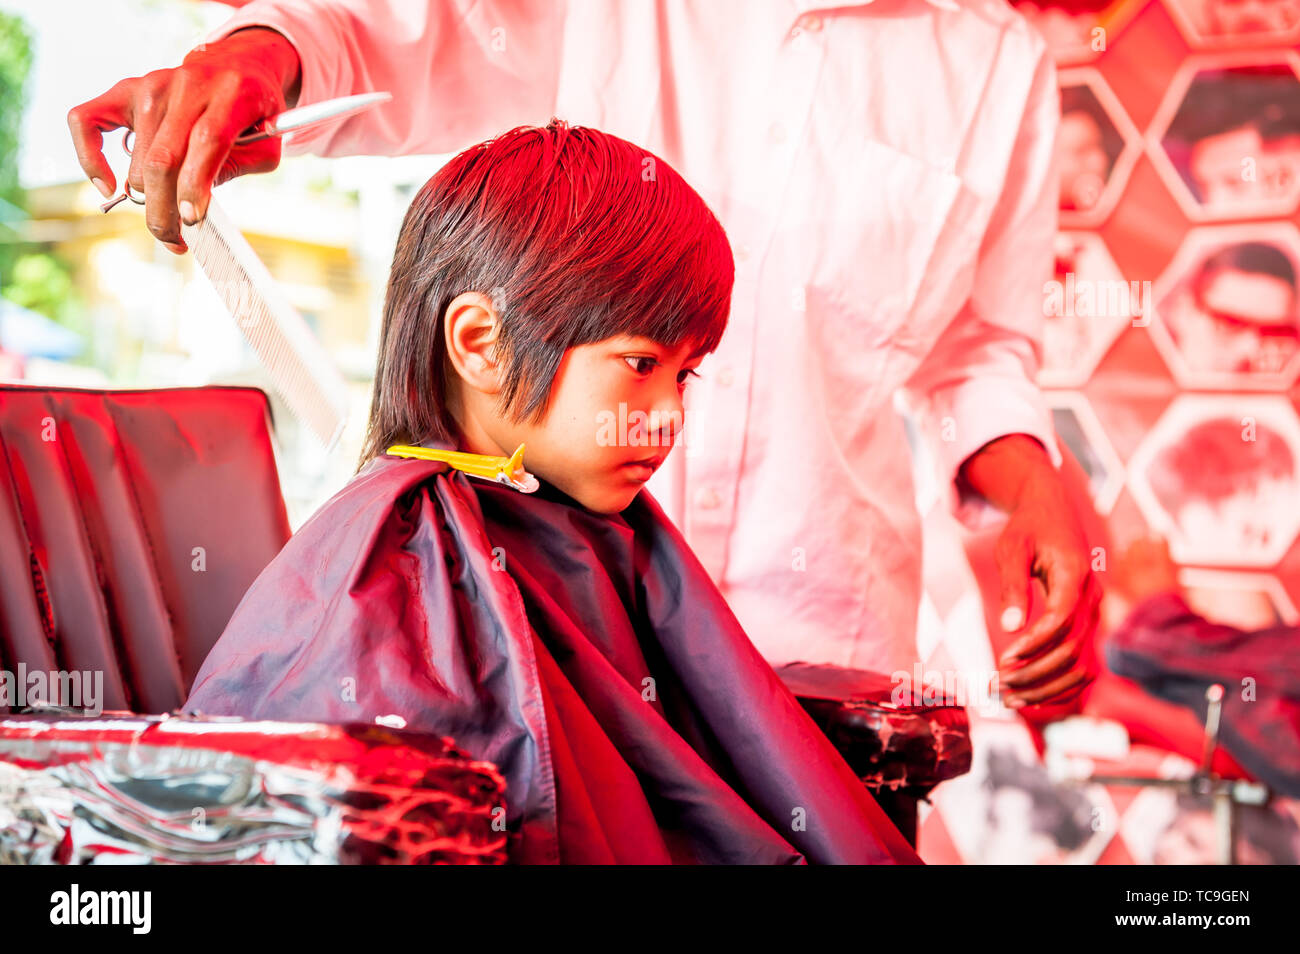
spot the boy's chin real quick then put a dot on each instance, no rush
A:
(600, 497)
(608, 502)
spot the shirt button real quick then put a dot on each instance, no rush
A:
(776, 133)
(706, 498)
(742, 253)
(725, 377)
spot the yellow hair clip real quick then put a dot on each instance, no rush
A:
(504, 470)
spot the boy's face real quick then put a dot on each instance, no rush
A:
(614, 413)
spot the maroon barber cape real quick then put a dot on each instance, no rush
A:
(589, 656)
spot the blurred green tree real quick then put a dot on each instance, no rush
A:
(30, 275)
(15, 65)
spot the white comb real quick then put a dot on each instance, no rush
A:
(299, 366)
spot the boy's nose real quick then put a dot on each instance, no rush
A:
(666, 419)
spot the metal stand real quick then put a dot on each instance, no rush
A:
(1225, 794)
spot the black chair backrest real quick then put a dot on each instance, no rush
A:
(131, 524)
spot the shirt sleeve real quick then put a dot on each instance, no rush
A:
(978, 382)
(460, 71)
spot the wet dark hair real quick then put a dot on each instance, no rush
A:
(1219, 100)
(1179, 473)
(1262, 258)
(576, 236)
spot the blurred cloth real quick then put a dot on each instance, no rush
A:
(1176, 655)
(885, 173)
(589, 656)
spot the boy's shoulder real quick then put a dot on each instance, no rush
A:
(373, 489)
(378, 511)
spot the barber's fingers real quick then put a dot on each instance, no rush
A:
(1065, 642)
(151, 98)
(184, 122)
(1067, 581)
(1015, 561)
(192, 149)
(1044, 677)
(210, 156)
(1050, 664)
(89, 121)
(1061, 689)
(160, 160)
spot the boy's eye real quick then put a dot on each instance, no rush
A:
(640, 363)
(684, 378)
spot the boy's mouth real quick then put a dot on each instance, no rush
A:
(642, 469)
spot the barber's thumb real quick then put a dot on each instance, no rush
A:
(1015, 598)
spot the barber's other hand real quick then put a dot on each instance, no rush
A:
(185, 120)
(1053, 660)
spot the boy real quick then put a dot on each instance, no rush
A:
(543, 281)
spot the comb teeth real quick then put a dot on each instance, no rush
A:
(300, 368)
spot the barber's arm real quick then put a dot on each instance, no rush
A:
(459, 71)
(991, 428)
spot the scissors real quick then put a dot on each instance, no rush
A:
(291, 120)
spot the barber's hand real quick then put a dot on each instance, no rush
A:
(1053, 660)
(185, 120)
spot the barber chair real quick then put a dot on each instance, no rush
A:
(131, 524)
(900, 752)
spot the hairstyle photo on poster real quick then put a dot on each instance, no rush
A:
(1097, 146)
(1010, 810)
(1210, 23)
(1087, 304)
(1078, 31)
(1226, 313)
(1239, 512)
(1164, 827)
(1077, 426)
(1226, 138)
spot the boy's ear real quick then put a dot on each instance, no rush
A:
(470, 328)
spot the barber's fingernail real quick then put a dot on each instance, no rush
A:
(188, 215)
(1013, 617)
(1015, 703)
(103, 188)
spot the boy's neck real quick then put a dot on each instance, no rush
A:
(481, 444)
(473, 437)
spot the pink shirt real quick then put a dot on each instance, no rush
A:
(885, 175)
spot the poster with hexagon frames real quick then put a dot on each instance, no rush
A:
(1171, 368)
(1227, 137)
(1078, 31)
(1087, 303)
(1096, 148)
(1207, 24)
(1219, 478)
(1226, 313)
